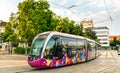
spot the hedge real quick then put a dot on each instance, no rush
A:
(21, 50)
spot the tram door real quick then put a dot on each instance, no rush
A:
(90, 50)
(58, 49)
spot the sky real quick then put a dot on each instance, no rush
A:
(81, 10)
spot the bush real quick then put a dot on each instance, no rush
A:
(21, 50)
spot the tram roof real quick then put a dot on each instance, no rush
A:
(62, 34)
(90, 40)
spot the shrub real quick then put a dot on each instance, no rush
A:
(21, 50)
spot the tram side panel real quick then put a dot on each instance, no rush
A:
(97, 50)
(66, 51)
(91, 50)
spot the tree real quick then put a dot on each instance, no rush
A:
(1, 37)
(90, 33)
(114, 43)
(71, 26)
(13, 39)
(9, 34)
(78, 30)
(34, 17)
(8, 31)
(63, 25)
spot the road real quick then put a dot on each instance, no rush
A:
(108, 62)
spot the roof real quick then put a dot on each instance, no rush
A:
(66, 34)
(2, 23)
(100, 28)
(63, 34)
(118, 36)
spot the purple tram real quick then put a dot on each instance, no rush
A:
(55, 49)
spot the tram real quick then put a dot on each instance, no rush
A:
(55, 49)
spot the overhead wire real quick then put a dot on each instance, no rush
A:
(107, 10)
(86, 2)
(110, 17)
(69, 8)
(64, 8)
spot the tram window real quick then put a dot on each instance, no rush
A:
(50, 49)
(93, 46)
(64, 46)
(89, 46)
(37, 46)
(72, 49)
(80, 46)
(53, 49)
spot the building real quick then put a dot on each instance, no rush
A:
(86, 24)
(102, 34)
(2, 28)
(111, 38)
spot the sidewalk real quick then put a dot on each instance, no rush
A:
(12, 63)
(3, 52)
(12, 60)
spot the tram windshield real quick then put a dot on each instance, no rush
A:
(37, 45)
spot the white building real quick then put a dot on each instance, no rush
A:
(2, 28)
(102, 34)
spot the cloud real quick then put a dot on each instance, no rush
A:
(116, 3)
(6, 7)
(71, 14)
(63, 2)
(97, 3)
(101, 18)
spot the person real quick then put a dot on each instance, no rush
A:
(8, 48)
(84, 50)
(11, 49)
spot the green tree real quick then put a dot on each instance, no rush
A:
(34, 17)
(71, 27)
(1, 37)
(9, 34)
(114, 43)
(54, 22)
(90, 33)
(63, 25)
(13, 39)
(78, 30)
(8, 31)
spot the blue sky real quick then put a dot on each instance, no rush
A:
(85, 9)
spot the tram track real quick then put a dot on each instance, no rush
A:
(108, 68)
(96, 63)
(90, 64)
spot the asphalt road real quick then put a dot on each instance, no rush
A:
(108, 62)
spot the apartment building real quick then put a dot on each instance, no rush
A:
(102, 34)
(86, 24)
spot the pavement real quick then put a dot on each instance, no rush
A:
(8, 60)
(108, 62)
